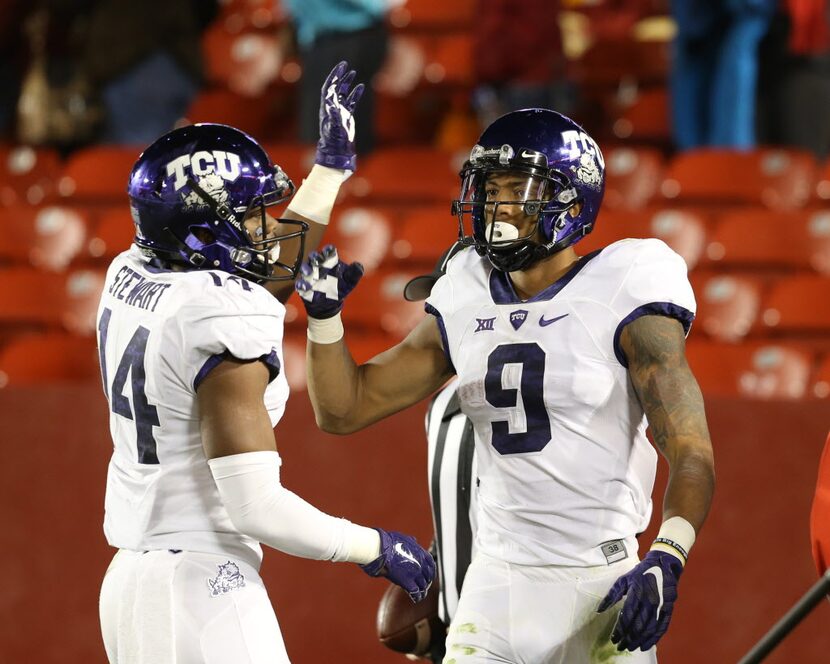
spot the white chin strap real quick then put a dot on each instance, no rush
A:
(501, 231)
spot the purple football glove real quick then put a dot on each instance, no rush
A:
(338, 99)
(404, 562)
(650, 590)
(325, 281)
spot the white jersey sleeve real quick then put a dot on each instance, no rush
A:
(655, 283)
(226, 322)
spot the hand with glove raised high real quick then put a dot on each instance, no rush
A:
(325, 281)
(338, 100)
(404, 562)
(650, 590)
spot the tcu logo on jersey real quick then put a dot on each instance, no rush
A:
(579, 145)
(202, 164)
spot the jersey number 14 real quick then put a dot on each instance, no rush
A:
(132, 364)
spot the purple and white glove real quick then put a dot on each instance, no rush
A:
(338, 99)
(650, 590)
(325, 281)
(404, 562)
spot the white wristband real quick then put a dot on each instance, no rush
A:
(315, 198)
(676, 536)
(325, 330)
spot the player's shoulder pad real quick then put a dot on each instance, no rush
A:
(625, 253)
(230, 294)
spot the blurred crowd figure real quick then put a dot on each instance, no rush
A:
(715, 70)
(794, 78)
(518, 59)
(105, 71)
(743, 73)
(326, 32)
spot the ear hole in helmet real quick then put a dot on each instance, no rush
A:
(202, 234)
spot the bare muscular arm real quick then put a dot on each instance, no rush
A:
(347, 397)
(655, 349)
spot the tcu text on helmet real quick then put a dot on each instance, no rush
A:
(578, 142)
(225, 164)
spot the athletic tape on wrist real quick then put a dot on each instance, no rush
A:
(325, 330)
(676, 536)
(315, 198)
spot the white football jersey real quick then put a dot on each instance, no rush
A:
(159, 334)
(564, 467)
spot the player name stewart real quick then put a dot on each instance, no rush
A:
(135, 290)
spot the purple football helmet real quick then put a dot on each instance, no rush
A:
(553, 165)
(198, 197)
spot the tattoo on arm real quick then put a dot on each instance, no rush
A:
(665, 386)
(669, 394)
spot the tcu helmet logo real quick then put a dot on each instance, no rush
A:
(583, 149)
(225, 165)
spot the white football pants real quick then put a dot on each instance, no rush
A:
(517, 614)
(162, 607)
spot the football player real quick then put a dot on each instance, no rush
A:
(191, 359)
(562, 361)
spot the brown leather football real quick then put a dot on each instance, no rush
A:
(406, 627)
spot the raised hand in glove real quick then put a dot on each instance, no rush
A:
(338, 99)
(325, 281)
(404, 562)
(650, 590)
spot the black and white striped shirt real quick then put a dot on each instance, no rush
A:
(452, 491)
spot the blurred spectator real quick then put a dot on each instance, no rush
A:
(518, 58)
(145, 58)
(715, 73)
(326, 32)
(56, 105)
(12, 50)
(794, 78)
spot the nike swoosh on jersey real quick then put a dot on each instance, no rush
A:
(544, 322)
(403, 552)
(657, 573)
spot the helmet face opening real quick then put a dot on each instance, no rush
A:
(531, 187)
(200, 197)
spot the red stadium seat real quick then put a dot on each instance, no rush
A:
(727, 305)
(761, 239)
(683, 230)
(378, 305)
(423, 234)
(821, 380)
(646, 119)
(48, 238)
(774, 178)
(112, 234)
(361, 234)
(632, 176)
(98, 174)
(27, 175)
(296, 159)
(32, 298)
(405, 175)
(754, 371)
(450, 60)
(433, 15)
(798, 304)
(49, 358)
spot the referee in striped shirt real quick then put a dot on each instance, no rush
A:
(451, 477)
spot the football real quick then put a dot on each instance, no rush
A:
(406, 627)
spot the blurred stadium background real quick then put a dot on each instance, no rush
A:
(753, 227)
